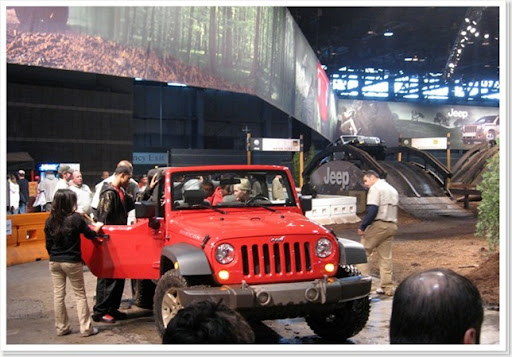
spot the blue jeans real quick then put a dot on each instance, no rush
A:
(23, 207)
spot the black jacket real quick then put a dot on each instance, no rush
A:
(23, 183)
(67, 248)
(111, 209)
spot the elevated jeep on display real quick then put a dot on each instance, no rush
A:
(262, 257)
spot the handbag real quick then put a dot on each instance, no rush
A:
(40, 199)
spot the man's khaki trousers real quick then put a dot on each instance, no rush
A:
(378, 237)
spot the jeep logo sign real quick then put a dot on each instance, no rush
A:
(336, 176)
(458, 114)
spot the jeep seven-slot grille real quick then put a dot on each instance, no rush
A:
(276, 258)
(470, 129)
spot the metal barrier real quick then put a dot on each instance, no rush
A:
(26, 241)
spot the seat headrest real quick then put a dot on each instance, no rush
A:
(193, 197)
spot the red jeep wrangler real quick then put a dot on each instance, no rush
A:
(262, 257)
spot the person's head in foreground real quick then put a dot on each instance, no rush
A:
(208, 322)
(436, 306)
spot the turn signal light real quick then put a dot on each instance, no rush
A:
(329, 267)
(223, 275)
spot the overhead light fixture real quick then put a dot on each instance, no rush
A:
(486, 36)
(466, 31)
(388, 33)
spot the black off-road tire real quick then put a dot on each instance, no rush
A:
(143, 292)
(166, 303)
(346, 320)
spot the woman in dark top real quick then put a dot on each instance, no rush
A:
(62, 229)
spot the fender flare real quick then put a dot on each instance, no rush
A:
(351, 252)
(191, 260)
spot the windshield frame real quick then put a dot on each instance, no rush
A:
(185, 180)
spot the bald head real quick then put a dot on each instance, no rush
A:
(436, 306)
(125, 163)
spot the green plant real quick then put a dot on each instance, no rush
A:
(311, 154)
(488, 225)
(296, 167)
(308, 157)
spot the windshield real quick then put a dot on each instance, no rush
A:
(486, 119)
(223, 189)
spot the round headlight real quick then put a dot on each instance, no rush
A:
(225, 253)
(323, 248)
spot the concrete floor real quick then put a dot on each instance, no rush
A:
(29, 311)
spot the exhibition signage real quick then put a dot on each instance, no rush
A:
(150, 158)
(336, 176)
(430, 143)
(268, 144)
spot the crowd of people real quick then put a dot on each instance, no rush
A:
(436, 306)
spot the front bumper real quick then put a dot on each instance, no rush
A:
(319, 291)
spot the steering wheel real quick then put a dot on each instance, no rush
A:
(257, 197)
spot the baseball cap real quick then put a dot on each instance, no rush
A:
(244, 184)
(65, 168)
(21, 172)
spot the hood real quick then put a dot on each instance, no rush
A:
(244, 225)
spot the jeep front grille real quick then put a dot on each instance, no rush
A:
(470, 129)
(276, 258)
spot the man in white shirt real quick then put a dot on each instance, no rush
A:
(379, 227)
(83, 192)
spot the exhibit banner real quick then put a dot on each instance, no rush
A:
(467, 125)
(247, 49)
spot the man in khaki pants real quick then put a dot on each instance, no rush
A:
(379, 227)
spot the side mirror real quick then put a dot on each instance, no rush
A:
(145, 209)
(306, 203)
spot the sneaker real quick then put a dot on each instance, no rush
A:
(108, 319)
(387, 292)
(93, 332)
(64, 333)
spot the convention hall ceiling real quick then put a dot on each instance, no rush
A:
(460, 42)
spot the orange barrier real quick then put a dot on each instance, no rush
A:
(26, 243)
